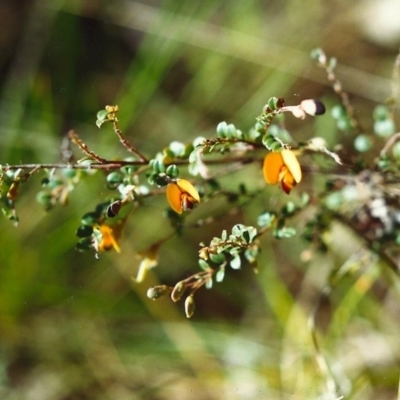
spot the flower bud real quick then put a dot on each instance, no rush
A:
(313, 107)
(189, 306)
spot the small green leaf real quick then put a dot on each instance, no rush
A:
(209, 283)
(177, 148)
(383, 162)
(224, 235)
(381, 112)
(220, 275)
(284, 232)
(236, 262)
(227, 247)
(384, 128)
(198, 141)
(217, 258)
(203, 265)
(276, 146)
(362, 143)
(90, 218)
(251, 254)
(334, 201)
(289, 208)
(84, 231)
(268, 140)
(172, 171)
(84, 244)
(273, 103)
(237, 230)
(99, 122)
(343, 124)
(338, 112)
(44, 198)
(188, 150)
(251, 233)
(102, 116)
(222, 128)
(69, 172)
(231, 131)
(266, 220)
(114, 179)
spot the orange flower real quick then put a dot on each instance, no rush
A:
(110, 236)
(282, 167)
(182, 195)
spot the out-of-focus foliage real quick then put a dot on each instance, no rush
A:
(73, 326)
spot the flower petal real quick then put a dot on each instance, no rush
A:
(109, 238)
(287, 181)
(273, 163)
(173, 193)
(291, 162)
(186, 187)
(181, 195)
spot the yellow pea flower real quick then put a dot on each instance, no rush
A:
(110, 236)
(182, 195)
(282, 167)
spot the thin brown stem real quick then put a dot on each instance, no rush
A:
(198, 280)
(106, 166)
(337, 87)
(124, 141)
(74, 138)
(115, 164)
(389, 144)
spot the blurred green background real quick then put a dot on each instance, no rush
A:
(75, 327)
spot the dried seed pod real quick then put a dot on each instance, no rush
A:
(12, 193)
(189, 306)
(113, 208)
(158, 291)
(178, 291)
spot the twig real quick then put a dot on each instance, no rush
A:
(329, 67)
(74, 138)
(392, 140)
(106, 165)
(110, 114)
(115, 164)
(124, 141)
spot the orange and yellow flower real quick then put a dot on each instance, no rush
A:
(182, 195)
(282, 167)
(110, 236)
